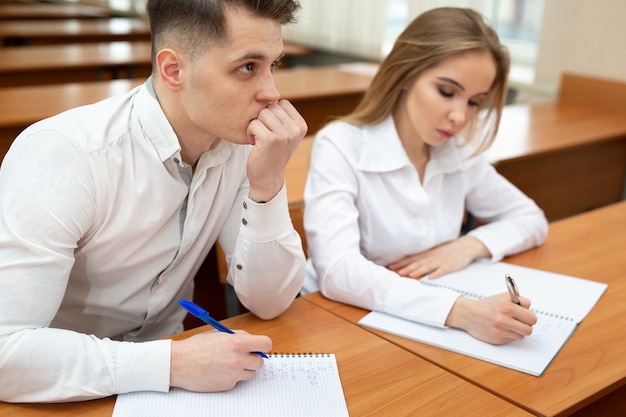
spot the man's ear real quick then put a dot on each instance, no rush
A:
(169, 63)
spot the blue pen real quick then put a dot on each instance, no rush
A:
(203, 315)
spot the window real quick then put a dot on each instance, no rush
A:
(517, 22)
(397, 19)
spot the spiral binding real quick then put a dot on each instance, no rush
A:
(299, 354)
(466, 293)
(478, 297)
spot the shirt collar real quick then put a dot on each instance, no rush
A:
(383, 151)
(382, 148)
(155, 126)
(157, 129)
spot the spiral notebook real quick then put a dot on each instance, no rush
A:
(561, 302)
(293, 385)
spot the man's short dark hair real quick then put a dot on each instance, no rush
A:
(195, 24)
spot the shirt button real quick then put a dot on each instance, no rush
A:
(244, 221)
(239, 267)
(177, 160)
(245, 205)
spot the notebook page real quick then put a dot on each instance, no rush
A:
(530, 355)
(550, 293)
(293, 385)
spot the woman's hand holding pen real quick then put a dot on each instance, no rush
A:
(216, 361)
(493, 319)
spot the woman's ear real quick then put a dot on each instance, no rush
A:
(168, 62)
(409, 82)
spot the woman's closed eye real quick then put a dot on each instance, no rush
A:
(446, 92)
(449, 93)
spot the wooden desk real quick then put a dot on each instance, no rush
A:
(588, 376)
(592, 91)
(317, 92)
(64, 31)
(52, 11)
(378, 378)
(53, 64)
(568, 157)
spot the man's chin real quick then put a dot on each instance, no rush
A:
(239, 140)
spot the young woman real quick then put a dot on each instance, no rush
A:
(390, 183)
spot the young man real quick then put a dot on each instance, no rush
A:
(107, 211)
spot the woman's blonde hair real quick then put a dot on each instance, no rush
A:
(428, 40)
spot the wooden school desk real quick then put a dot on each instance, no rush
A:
(52, 64)
(588, 376)
(52, 11)
(378, 378)
(64, 31)
(569, 157)
(317, 92)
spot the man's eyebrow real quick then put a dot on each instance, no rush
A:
(460, 87)
(258, 56)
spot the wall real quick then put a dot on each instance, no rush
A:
(586, 37)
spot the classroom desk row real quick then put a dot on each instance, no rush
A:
(569, 157)
(384, 375)
(55, 64)
(317, 92)
(41, 10)
(81, 62)
(64, 31)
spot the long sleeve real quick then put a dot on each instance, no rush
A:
(512, 222)
(43, 212)
(264, 254)
(345, 213)
(49, 365)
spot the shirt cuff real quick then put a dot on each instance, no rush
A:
(496, 243)
(264, 222)
(409, 299)
(143, 366)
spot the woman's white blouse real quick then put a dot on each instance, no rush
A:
(366, 207)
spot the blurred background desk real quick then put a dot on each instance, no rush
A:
(63, 31)
(568, 157)
(36, 10)
(588, 376)
(57, 64)
(378, 378)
